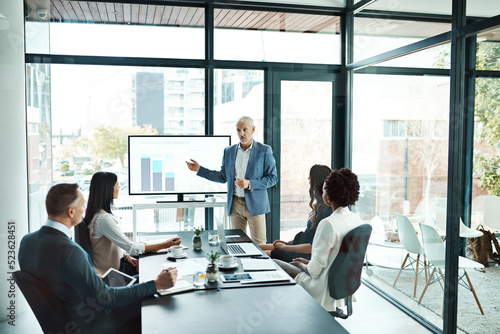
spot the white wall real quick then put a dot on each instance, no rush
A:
(13, 170)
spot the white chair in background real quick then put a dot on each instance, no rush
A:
(491, 214)
(435, 254)
(408, 237)
(465, 231)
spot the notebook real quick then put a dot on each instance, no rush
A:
(236, 249)
(258, 264)
(180, 286)
(267, 276)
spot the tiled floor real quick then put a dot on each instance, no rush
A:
(371, 314)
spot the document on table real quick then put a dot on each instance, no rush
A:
(187, 267)
(267, 276)
(257, 264)
(180, 286)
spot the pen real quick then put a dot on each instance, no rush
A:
(259, 257)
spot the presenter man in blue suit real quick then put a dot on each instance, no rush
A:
(53, 257)
(248, 168)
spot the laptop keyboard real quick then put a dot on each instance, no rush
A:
(235, 249)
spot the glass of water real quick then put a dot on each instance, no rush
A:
(213, 238)
(199, 278)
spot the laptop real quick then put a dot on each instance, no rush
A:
(236, 249)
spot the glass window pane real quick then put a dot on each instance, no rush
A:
(488, 51)
(275, 36)
(117, 29)
(442, 7)
(373, 36)
(435, 57)
(306, 132)
(238, 93)
(79, 119)
(405, 173)
(486, 179)
(334, 3)
(485, 8)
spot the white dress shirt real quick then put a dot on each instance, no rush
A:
(107, 225)
(325, 247)
(58, 226)
(240, 167)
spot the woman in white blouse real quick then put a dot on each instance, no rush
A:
(106, 238)
(341, 189)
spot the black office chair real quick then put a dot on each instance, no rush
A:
(82, 237)
(344, 277)
(47, 307)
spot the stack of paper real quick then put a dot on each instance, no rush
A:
(267, 276)
(258, 264)
(186, 267)
(180, 286)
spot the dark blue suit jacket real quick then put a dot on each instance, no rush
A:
(54, 258)
(261, 172)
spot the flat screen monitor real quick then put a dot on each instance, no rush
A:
(157, 164)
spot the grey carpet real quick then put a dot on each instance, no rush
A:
(470, 320)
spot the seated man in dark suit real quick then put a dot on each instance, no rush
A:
(53, 257)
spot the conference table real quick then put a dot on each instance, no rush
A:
(260, 308)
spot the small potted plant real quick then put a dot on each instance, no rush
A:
(197, 243)
(212, 268)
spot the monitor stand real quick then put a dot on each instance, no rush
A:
(180, 198)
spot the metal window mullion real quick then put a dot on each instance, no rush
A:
(456, 165)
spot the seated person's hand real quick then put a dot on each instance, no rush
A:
(173, 242)
(132, 260)
(166, 279)
(300, 263)
(279, 245)
(301, 260)
(278, 241)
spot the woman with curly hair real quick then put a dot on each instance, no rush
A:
(301, 245)
(340, 190)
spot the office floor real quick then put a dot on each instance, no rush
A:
(371, 314)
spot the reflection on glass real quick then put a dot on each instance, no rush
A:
(306, 135)
(275, 36)
(488, 51)
(238, 93)
(116, 29)
(374, 36)
(400, 148)
(428, 7)
(486, 181)
(436, 57)
(79, 117)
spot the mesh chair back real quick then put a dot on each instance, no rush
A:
(344, 277)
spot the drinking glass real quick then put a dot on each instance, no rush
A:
(199, 278)
(213, 238)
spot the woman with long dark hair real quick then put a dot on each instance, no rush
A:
(301, 245)
(106, 238)
(340, 190)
